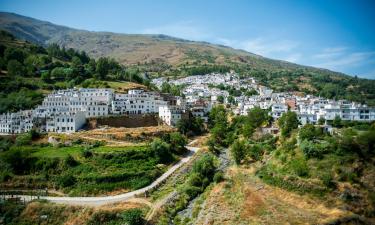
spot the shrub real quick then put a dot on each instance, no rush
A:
(87, 153)
(66, 180)
(218, 177)
(238, 151)
(327, 180)
(132, 217)
(311, 149)
(300, 167)
(256, 152)
(70, 161)
(309, 132)
(177, 142)
(23, 139)
(161, 150)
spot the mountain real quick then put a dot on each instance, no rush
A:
(161, 55)
(130, 48)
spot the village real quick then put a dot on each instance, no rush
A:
(67, 111)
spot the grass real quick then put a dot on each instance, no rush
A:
(44, 213)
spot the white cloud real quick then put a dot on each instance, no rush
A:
(342, 57)
(268, 47)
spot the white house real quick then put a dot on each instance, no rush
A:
(170, 114)
(65, 122)
(15, 123)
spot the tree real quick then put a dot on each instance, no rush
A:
(102, 67)
(238, 151)
(337, 122)
(177, 142)
(15, 68)
(45, 76)
(14, 54)
(58, 73)
(231, 100)
(321, 121)
(287, 123)
(220, 99)
(190, 126)
(309, 132)
(162, 150)
(255, 118)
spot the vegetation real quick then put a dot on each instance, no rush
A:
(30, 70)
(40, 212)
(86, 169)
(202, 174)
(191, 126)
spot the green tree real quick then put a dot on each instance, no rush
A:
(14, 54)
(220, 99)
(287, 123)
(102, 67)
(238, 151)
(337, 122)
(15, 68)
(46, 76)
(309, 132)
(321, 121)
(177, 142)
(58, 73)
(162, 150)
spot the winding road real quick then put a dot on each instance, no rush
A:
(98, 201)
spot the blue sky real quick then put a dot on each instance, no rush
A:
(337, 35)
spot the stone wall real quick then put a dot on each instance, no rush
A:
(128, 121)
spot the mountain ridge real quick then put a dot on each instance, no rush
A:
(44, 33)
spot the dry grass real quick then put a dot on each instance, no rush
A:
(117, 136)
(71, 215)
(244, 199)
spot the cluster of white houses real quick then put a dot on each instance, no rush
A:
(203, 89)
(66, 111)
(308, 108)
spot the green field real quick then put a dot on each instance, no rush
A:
(80, 169)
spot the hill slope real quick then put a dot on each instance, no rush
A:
(131, 48)
(161, 55)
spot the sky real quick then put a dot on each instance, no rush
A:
(331, 34)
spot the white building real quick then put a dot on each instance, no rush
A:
(137, 102)
(65, 122)
(94, 102)
(15, 123)
(170, 114)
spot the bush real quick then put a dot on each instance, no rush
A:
(23, 139)
(300, 167)
(218, 177)
(177, 142)
(256, 152)
(132, 217)
(311, 149)
(87, 153)
(161, 150)
(66, 180)
(327, 180)
(238, 151)
(309, 132)
(70, 161)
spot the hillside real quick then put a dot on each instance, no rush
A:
(29, 71)
(161, 55)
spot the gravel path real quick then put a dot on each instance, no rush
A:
(97, 201)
